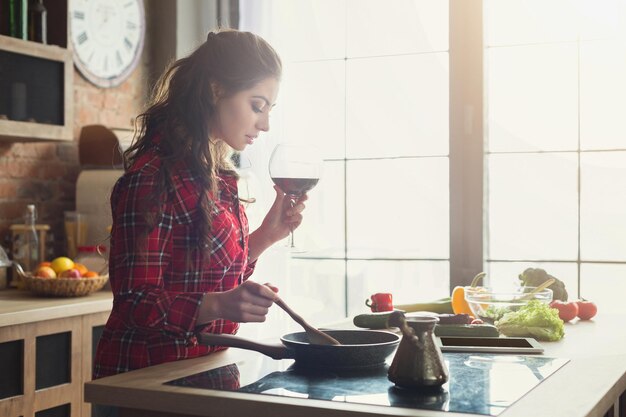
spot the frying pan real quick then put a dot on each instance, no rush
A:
(359, 349)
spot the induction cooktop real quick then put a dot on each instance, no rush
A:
(479, 383)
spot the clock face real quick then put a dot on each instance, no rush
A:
(107, 37)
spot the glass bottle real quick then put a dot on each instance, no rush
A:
(38, 22)
(18, 18)
(27, 253)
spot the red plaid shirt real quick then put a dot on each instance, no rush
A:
(156, 295)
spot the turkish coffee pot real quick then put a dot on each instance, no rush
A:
(418, 362)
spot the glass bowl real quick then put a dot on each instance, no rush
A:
(490, 305)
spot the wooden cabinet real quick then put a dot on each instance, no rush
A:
(47, 355)
(37, 82)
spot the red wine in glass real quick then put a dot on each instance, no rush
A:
(295, 186)
(295, 169)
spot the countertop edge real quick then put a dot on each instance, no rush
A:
(128, 391)
(18, 307)
(589, 397)
(586, 386)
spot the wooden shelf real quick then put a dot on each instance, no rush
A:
(14, 50)
(36, 49)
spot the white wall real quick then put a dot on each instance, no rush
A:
(193, 20)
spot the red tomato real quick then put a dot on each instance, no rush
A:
(586, 309)
(567, 311)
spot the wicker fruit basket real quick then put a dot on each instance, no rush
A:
(62, 287)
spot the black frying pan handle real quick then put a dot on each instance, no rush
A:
(274, 351)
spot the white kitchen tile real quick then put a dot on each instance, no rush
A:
(377, 28)
(532, 97)
(397, 106)
(533, 206)
(398, 208)
(602, 203)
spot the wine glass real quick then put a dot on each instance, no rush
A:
(295, 169)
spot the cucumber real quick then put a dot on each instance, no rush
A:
(454, 319)
(378, 320)
(466, 330)
(372, 320)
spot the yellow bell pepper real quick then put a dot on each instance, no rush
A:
(459, 305)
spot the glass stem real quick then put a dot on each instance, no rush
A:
(292, 203)
(291, 244)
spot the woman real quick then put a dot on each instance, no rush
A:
(180, 250)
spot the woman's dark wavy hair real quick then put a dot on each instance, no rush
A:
(182, 105)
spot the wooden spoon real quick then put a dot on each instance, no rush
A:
(541, 287)
(315, 336)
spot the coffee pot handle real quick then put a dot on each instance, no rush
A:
(397, 319)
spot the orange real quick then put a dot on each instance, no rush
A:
(81, 268)
(90, 274)
(43, 264)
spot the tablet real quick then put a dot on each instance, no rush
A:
(488, 344)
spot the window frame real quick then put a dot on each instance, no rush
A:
(467, 136)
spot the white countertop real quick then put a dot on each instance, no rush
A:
(585, 387)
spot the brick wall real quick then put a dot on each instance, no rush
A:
(45, 173)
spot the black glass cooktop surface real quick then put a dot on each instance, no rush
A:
(479, 383)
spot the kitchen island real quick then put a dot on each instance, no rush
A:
(589, 385)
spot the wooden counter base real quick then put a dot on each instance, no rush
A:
(28, 321)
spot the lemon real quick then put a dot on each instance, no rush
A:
(61, 264)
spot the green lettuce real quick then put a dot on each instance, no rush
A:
(535, 319)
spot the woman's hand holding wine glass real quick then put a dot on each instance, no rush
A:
(295, 169)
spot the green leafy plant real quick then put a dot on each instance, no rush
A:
(534, 277)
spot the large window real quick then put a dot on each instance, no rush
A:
(410, 202)
(555, 153)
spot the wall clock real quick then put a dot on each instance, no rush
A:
(107, 37)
